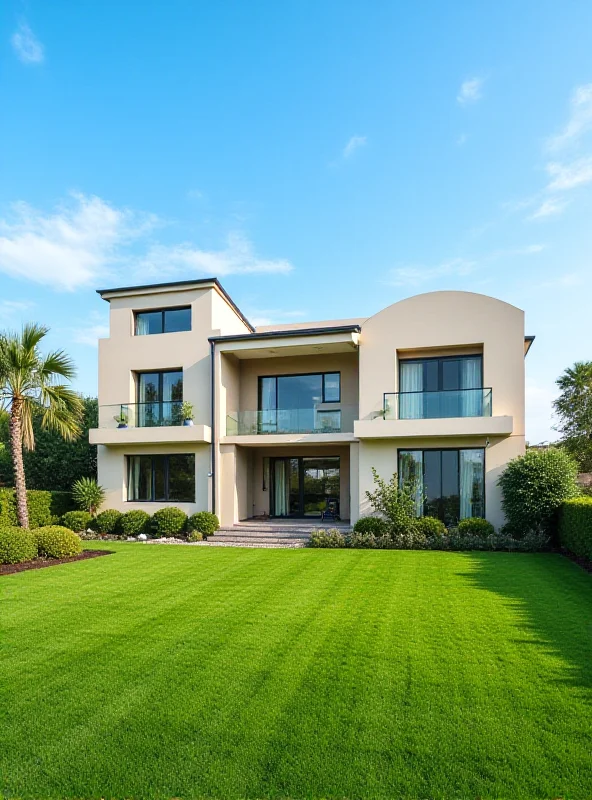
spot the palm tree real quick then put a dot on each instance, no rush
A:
(28, 385)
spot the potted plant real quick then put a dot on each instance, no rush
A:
(121, 419)
(187, 413)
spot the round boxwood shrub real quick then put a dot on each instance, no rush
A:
(168, 522)
(55, 541)
(475, 526)
(106, 521)
(77, 521)
(16, 545)
(430, 526)
(133, 523)
(203, 521)
(533, 488)
(374, 525)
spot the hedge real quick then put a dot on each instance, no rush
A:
(575, 526)
(16, 545)
(45, 508)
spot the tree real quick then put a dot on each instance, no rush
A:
(29, 384)
(574, 409)
(54, 464)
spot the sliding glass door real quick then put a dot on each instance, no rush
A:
(448, 484)
(303, 487)
(160, 396)
(433, 388)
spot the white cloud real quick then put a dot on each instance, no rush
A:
(470, 91)
(352, 145)
(549, 208)
(567, 281)
(71, 247)
(580, 119)
(91, 334)
(568, 176)
(26, 45)
(238, 258)
(415, 276)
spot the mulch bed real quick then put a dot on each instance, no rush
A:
(40, 563)
(584, 563)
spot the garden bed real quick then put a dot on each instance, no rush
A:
(40, 563)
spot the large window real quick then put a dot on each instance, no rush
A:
(441, 387)
(165, 320)
(291, 402)
(160, 397)
(161, 478)
(449, 484)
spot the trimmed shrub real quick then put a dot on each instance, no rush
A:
(533, 488)
(431, 526)
(326, 538)
(133, 523)
(107, 521)
(45, 508)
(76, 521)
(375, 525)
(16, 545)
(55, 541)
(475, 526)
(575, 526)
(196, 536)
(203, 521)
(362, 540)
(168, 522)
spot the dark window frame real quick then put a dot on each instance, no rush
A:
(440, 359)
(423, 450)
(166, 458)
(162, 311)
(322, 375)
(160, 373)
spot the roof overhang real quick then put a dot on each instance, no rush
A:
(528, 340)
(273, 344)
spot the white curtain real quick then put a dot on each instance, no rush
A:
(268, 415)
(142, 325)
(411, 471)
(471, 483)
(133, 488)
(470, 378)
(411, 405)
(280, 489)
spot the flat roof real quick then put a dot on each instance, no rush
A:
(281, 334)
(177, 285)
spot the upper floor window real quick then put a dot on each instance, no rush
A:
(164, 320)
(441, 387)
(160, 398)
(299, 391)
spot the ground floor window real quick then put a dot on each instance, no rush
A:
(449, 484)
(161, 478)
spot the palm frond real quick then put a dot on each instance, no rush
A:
(31, 335)
(56, 364)
(62, 411)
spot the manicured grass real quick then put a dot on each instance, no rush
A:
(170, 671)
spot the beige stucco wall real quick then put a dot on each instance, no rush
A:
(444, 320)
(113, 475)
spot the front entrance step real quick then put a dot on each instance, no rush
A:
(252, 541)
(254, 533)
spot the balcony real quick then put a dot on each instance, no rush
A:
(322, 421)
(438, 405)
(151, 423)
(449, 413)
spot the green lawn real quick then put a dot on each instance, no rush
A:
(165, 672)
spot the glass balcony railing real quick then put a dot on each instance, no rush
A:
(141, 415)
(438, 405)
(292, 420)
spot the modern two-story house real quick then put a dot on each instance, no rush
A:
(289, 420)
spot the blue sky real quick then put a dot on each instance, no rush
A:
(323, 159)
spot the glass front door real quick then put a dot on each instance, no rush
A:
(303, 487)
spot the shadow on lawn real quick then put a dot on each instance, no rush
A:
(553, 599)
